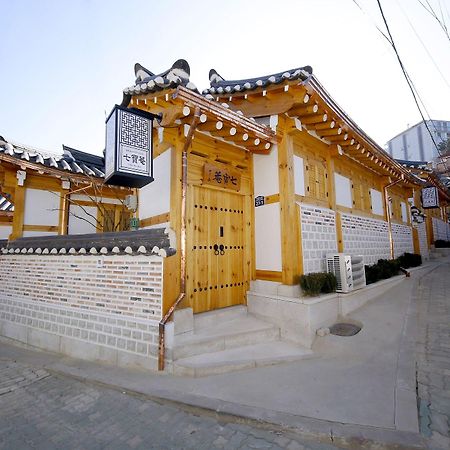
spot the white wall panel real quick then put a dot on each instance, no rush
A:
(41, 207)
(343, 190)
(5, 231)
(404, 212)
(299, 175)
(82, 220)
(268, 237)
(154, 199)
(265, 169)
(377, 202)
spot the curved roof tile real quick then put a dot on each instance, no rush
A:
(219, 85)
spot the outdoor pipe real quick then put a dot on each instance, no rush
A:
(184, 174)
(388, 215)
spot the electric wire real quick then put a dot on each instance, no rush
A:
(423, 44)
(410, 84)
(434, 15)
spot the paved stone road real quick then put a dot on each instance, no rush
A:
(39, 410)
(433, 368)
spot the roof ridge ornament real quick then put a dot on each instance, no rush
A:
(214, 77)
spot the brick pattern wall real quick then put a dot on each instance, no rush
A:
(125, 334)
(423, 241)
(365, 236)
(403, 241)
(318, 236)
(124, 285)
(93, 307)
(441, 230)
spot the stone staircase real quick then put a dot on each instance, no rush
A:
(227, 340)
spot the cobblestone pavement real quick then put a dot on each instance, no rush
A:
(40, 410)
(433, 365)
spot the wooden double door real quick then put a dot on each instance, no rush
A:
(216, 277)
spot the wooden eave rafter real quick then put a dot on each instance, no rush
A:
(266, 101)
(216, 120)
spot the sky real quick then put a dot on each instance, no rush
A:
(64, 64)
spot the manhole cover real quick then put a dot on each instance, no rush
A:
(344, 329)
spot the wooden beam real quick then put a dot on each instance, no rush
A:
(154, 220)
(268, 275)
(303, 110)
(19, 210)
(314, 118)
(45, 228)
(288, 212)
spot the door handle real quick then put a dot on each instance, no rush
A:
(222, 249)
(216, 249)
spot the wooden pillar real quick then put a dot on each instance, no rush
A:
(416, 243)
(429, 228)
(290, 239)
(19, 210)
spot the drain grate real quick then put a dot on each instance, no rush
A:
(344, 329)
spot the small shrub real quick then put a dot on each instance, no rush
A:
(439, 243)
(319, 282)
(408, 260)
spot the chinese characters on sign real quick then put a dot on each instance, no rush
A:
(430, 197)
(225, 177)
(134, 143)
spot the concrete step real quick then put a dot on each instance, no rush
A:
(227, 334)
(245, 357)
(212, 318)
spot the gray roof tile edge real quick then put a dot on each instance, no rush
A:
(147, 82)
(221, 86)
(143, 242)
(64, 162)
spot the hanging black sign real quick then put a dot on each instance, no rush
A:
(129, 147)
(430, 197)
(259, 201)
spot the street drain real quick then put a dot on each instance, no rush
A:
(344, 329)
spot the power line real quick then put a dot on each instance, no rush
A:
(423, 44)
(434, 15)
(408, 80)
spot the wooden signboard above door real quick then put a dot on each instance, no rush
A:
(220, 176)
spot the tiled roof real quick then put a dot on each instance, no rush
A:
(148, 82)
(421, 165)
(71, 160)
(221, 86)
(153, 241)
(5, 204)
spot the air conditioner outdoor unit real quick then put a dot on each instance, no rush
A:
(349, 271)
(341, 266)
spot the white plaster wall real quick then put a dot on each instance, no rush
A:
(41, 207)
(343, 190)
(5, 231)
(318, 236)
(299, 175)
(39, 233)
(365, 236)
(80, 222)
(265, 171)
(377, 202)
(268, 237)
(404, 212)
(154, 199)
(403, 241)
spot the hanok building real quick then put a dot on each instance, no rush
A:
(256, 181)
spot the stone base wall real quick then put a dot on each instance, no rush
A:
(94, 307)
(403, 240)
(318, 236)
(365, 236)
(119, 340)
(423, 240)
(441, 230)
